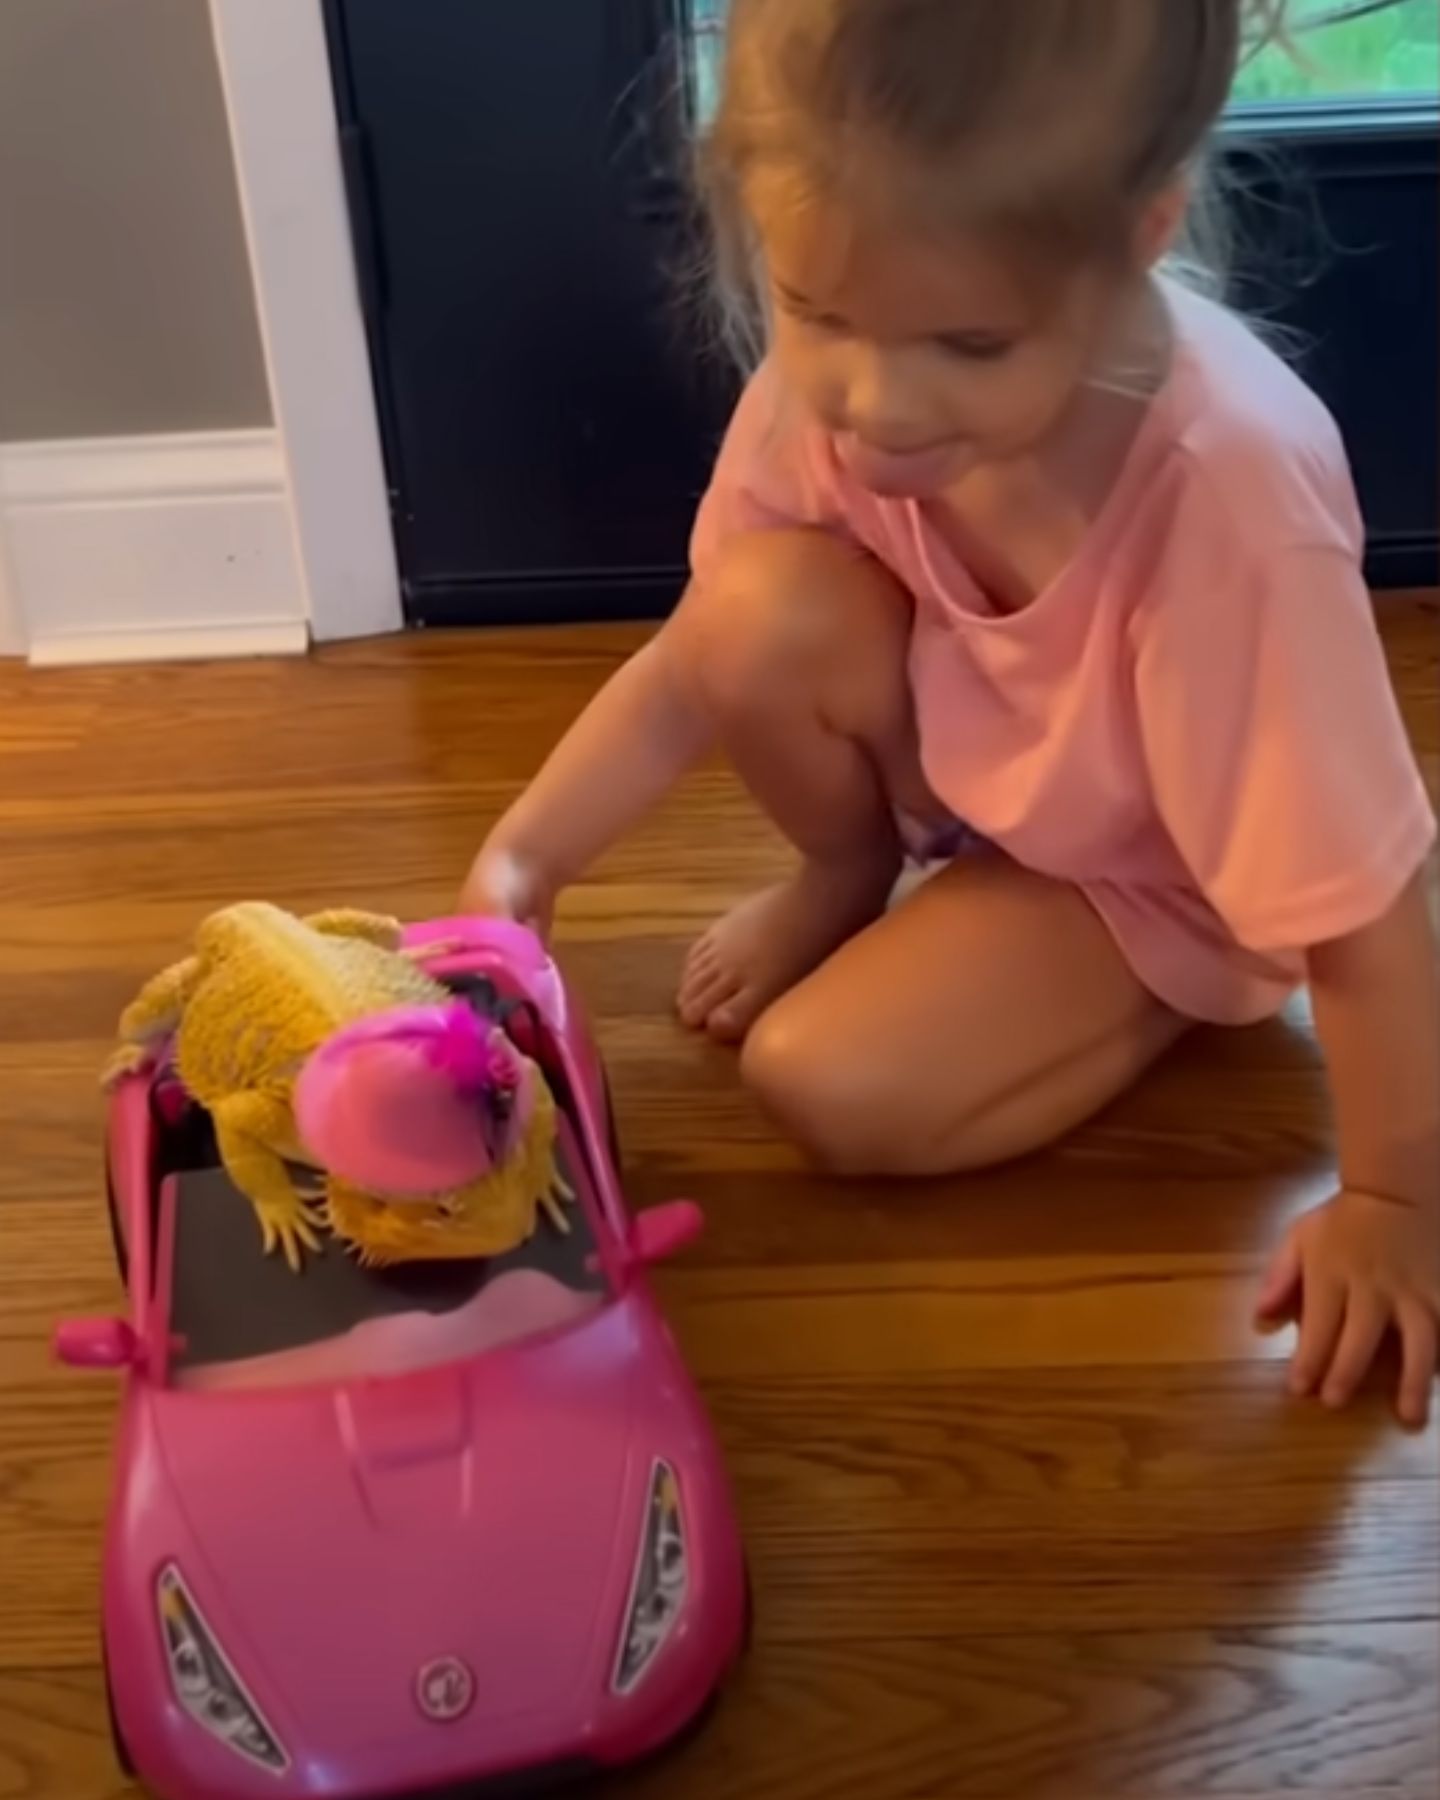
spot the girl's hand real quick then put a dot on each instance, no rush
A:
(1355, 1269)
(505, 885)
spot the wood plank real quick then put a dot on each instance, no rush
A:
(54, 1741)
(848, 1455)
(961, 1316)
(1334, 1714)
(1113, 1562)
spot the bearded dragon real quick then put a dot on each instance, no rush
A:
(242, 1016)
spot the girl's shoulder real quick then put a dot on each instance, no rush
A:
(772, 471)
(768, 431)
(1248, 442)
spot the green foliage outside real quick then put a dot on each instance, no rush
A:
(1391, 52)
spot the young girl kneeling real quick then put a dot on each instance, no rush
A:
(1022, 557)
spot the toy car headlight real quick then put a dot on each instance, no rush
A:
(206, 1684)
(662, 1577)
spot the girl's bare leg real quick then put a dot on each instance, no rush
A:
(796, 650)
(986, 1016)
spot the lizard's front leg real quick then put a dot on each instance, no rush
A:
(351, 922)
(374, 928)
(377, 1234)
(247, 1127)
(150, 1018)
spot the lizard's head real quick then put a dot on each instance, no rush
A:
(415, 1101)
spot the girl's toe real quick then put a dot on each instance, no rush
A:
(699, 999)
(728, 1022)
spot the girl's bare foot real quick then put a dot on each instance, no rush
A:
(767, 943)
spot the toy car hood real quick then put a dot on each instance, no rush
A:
(423, 1518)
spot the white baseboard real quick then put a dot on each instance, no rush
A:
(152, 548)
(197, 643)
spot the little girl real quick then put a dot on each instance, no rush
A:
(1023, 559)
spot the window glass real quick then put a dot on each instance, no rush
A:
(1366, 49)
(1335, 50)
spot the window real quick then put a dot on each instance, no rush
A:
(1334, 50)
(707, 29)
(1349, 50)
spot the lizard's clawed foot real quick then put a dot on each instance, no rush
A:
(552, 1205)
(293, 1228)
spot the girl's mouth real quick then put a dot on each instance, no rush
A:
(900, 474)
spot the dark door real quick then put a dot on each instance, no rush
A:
(547, 410)
(1339, 228)
(546, 418)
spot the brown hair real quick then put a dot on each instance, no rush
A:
(1045, 123)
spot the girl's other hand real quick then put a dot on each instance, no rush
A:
(1352, 1271)
(503, 884)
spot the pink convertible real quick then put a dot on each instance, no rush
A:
(414, 1531)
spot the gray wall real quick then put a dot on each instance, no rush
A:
(125, 298)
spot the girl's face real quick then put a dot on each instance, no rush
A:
(923, 360)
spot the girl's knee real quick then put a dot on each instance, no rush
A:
(818, 1094)
(849, 1117)
(781, 608)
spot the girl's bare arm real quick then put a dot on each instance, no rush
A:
(1368, 1263)
(624, 753)
(1377, 1011)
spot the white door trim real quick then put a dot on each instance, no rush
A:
(275, 66)
(12, 626)
(12, 621)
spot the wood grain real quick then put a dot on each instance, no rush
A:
(1105, 1716)
(1029, 1512)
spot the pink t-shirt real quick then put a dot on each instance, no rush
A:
(1194, 722)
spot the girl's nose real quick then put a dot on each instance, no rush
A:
(877, 399)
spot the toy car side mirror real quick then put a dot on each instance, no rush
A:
(661, 1232)
(98, 1344)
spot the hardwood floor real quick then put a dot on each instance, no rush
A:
(1028, 1510)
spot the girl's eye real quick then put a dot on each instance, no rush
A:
(815, 321)
(805, 314)
(975, 346)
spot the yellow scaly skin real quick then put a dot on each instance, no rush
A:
(261, 993)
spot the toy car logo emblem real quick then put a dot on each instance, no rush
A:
(445, 1689)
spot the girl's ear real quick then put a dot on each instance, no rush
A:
(1161, 222)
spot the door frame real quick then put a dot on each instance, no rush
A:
(13, 637)
(275, 71)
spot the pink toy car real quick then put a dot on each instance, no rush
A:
(441, 1529)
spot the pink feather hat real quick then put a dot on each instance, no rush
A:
(395, 1103)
